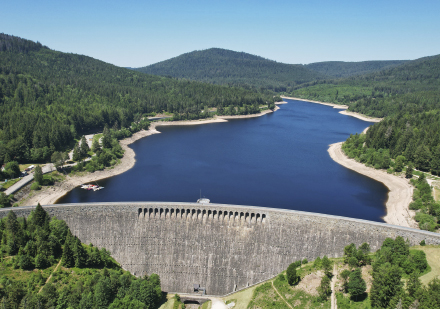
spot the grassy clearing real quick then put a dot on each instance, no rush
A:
(347, 303)
(97, 136)
(433, 257)
(265, 297)
(298, 298)
(241, 298)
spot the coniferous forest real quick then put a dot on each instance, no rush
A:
(45, 266)
(49, 98)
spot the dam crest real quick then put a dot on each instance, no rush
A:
(221, 247)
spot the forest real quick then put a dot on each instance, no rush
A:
(49, 99)
(45, 266)
(226, 67)
(340, 69)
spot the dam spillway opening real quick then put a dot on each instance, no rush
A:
(201, 214)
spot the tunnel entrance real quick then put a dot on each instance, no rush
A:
(192, 302)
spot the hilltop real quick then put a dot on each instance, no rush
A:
(227, 67)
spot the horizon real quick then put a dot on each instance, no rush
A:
(136, 34)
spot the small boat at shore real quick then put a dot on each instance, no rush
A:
(91, 187)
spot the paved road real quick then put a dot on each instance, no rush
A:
(27, 179)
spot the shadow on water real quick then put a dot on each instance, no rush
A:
(278, 160)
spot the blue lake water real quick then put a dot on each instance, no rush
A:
(278, 160)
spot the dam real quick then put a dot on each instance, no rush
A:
(224, 248)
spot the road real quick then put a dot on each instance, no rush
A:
(27, 179)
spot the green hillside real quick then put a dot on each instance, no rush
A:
(43, 265)
(226, 67)
(340, 69)
(49, 98)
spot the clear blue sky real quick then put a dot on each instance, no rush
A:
(138, 33)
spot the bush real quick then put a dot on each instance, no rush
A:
(35, 186)
(292, 277)
(324, 289)
(422, 243)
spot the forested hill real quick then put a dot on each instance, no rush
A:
(48, 98)
(411, 87)
(340, 69)
(226, 67)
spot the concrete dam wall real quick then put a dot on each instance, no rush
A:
(221, 247)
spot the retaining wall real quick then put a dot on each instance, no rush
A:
(221, 247)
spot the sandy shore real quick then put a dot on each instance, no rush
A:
(360, 116)
(267, 111)
(51, 194)
(317, 102)
(400, 194)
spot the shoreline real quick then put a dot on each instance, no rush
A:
(50, 195)
(400, 190)
(339, 106)
(360, 116)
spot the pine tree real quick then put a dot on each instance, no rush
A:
(106, 138)
(68, 258)
(39, 216)
(38, 175)
(413, 285)
(435, 162)
(356, 285)
(76, 156)
(409, 170)
(84, 148)
(326, 265)
(95, 145)
(102, 293)
(387, 283)
(422, 158)
(324, 289)
(400, 163)
(292, 277)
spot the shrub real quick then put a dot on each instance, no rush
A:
(292, 277)
(35, 186)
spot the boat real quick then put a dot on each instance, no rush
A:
(203, 200)
(91, 187)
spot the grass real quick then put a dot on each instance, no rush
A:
(433, 257)
(241, 298)
(97, 136)
(10, 183)
(265, 297)
(347, 303)
(206, 305)
(298, 298)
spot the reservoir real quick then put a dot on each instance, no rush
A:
(278, 160)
